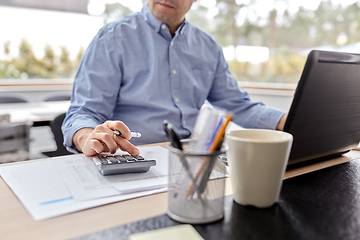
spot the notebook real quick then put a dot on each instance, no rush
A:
(324, 117)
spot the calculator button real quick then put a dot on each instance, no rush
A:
(96, 161)
(130, 158)
(102, 160)
(120, 158)
(139, 158)
(112, 159)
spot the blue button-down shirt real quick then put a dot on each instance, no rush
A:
(136, 72)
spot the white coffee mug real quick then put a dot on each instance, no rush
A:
(257, 161)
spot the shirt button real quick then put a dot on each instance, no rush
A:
(177, 100)
(156, 30)
(184, 122)
(163, 26)
(172, 43)
(174, 71)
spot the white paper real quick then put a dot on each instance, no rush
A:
(142, 185)
(57, 207)
(41, 189)
(83, 179)
(40, 180)
(204, 128)
(85, 182)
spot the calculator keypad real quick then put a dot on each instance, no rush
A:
(118, 159)
(115, 164)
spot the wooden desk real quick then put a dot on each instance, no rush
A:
(38, 112)
(16, 223)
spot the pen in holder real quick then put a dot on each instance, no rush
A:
(206, 202)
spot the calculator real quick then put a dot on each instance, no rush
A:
(118, 164)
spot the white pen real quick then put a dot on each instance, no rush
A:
(133, 134)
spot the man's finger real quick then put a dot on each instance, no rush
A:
(120, 127)
(125, 145)
(107, 139)
(93, 147)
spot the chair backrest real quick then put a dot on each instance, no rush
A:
(14, 136)
(58, 97)
(12, 98)
(55, 126)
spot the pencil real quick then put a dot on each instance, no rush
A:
(217, 140)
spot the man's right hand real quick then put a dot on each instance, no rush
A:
(92, 142)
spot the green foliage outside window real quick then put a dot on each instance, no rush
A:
(289, 36)
(27, 65)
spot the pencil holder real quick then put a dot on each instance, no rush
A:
(196, 186)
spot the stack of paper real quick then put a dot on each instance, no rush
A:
(61, 185)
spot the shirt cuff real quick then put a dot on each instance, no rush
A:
(269, 118)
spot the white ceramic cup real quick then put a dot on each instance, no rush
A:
(257, 161)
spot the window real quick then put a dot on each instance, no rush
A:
(44, 39)
(263, 41)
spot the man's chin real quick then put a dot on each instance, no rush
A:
(163, 17)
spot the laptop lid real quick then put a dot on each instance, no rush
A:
(324, 117)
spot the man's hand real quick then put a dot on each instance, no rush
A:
(102, 139)
(281, 123)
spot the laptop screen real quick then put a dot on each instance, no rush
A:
(324, 117)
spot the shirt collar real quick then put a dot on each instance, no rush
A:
(155, 23)
(182, 27)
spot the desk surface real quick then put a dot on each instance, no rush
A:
(319, 205)
(34, 111)
(16, 223)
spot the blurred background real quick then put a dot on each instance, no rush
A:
(263, 40)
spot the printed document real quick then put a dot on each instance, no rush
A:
(85, 182)
(48, 188)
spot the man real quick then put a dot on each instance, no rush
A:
(148, 67)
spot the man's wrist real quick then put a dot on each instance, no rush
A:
(80, 137)
(281, 123)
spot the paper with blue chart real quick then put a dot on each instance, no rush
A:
(61, 185)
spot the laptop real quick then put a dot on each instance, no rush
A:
(324, 117)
